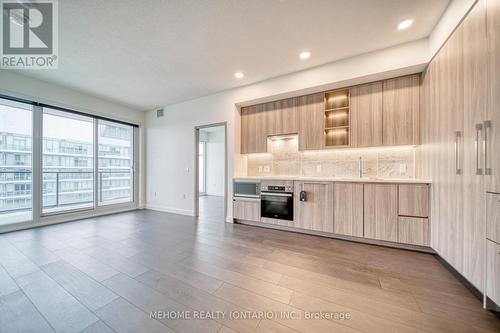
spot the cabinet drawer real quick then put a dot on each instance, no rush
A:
(246, 209)
(413, 230)
(493, 216)
(493, 271)
(414, 200)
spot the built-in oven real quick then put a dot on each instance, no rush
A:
(246, 188)
(276, 202)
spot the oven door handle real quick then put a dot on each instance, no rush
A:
(276, 194)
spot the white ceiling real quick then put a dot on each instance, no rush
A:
(153, 53)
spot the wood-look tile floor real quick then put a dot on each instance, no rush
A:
(107, 274)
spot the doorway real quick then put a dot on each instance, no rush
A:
(211, 171)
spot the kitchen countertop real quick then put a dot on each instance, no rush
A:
(331, 179)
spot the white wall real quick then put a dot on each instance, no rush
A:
(456, 11)
(215, 162)
(20, 86)
(170, 140)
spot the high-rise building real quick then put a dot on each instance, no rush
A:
(68, 176)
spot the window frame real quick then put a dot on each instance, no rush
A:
(40, 218)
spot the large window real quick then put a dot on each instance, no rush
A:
(68, 161)
(115, 158)
(15, 162)
(55, 161)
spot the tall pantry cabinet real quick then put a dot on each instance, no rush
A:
(491, 151)
(475, 81)
(493, 93)
(460, 133)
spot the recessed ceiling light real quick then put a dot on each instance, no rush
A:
(405, 24)
(239, 75)
(304, 55)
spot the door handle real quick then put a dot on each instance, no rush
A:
(486, 125)
(458, 138)
(479, 129)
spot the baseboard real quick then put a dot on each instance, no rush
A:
(69, 217)
(229, 219)
(172, 210)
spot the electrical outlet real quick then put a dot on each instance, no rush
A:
(402, 168)
(187, 169)
(267, 168)
(260, 168)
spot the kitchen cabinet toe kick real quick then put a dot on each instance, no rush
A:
(403, 246)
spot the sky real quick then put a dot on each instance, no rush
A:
(15, 119)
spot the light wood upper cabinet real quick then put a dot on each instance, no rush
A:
(289, 116)
(273, 114)
(493, 146)
(247, 130)
(401, 103)
(316, 213)
(348, 209)
(312, 121)
(381, 211)
(253, 129)
(371, 115)
(366, 115)
(414, 200)
(282, 117)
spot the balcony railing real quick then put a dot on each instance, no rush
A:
(63, 190)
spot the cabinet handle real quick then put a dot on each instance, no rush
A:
(479, 129)
(486, 125)
(458, 138)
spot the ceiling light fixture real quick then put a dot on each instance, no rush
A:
(239, 75)
(405, 24)
(305, 55)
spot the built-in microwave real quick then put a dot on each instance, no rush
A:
(246, 188)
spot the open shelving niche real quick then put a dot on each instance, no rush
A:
(337, 118)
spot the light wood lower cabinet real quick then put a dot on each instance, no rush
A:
(414, 200)
(316, 213)
(493, 216)
(348, 209)
(413, 230)
(493, 271)
(246, 209)
(381, 211)
(253, 130)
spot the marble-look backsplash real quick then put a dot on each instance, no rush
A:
(284, 159)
